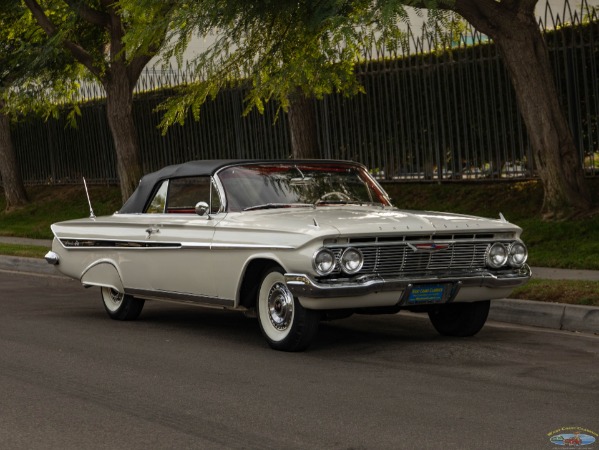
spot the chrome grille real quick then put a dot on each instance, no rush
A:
(401, 258)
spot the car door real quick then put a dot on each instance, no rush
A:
(181, 261)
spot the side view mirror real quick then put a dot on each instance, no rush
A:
(201, 208)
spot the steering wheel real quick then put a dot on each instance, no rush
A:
(341, 196)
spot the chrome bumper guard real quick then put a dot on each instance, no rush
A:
(52, 258)
(302, 285)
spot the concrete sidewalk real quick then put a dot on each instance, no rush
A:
(556, 316)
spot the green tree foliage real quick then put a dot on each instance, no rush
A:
(273, 47)
(35, 78)
(92, 32)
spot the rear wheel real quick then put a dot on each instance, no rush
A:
(121, 306)
(284, 322)
(460, 319)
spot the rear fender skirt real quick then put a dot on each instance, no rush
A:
(103, 273)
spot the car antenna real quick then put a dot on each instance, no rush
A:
(91, 210)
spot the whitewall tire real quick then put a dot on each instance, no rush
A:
(284, 322)
(120, 306)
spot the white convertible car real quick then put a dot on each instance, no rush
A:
(293, 242)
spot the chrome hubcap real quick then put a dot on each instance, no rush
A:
(280, 306)
(114, 298)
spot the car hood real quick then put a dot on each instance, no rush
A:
(360, 220)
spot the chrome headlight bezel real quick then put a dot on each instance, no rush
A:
(323, 261)
(497, 255)
(351, 255)
(518, 254)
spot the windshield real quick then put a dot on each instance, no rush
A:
(263, 186)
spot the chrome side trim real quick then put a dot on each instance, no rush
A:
(120, 244)
(302, 285)
(195, 245)
(255, 246)
(181, 297)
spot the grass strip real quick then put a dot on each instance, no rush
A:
(28, 251)
(574, 292)
(50, 204)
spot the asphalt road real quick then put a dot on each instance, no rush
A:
(185, 377)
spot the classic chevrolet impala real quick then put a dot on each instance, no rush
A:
(293, 242)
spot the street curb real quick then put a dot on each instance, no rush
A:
(556, 316)
(37, 266)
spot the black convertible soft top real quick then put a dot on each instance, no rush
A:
(137, 202)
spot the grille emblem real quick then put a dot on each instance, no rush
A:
(429, 247)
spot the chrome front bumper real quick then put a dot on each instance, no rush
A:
(302, 285)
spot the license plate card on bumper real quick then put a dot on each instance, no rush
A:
(425, 294)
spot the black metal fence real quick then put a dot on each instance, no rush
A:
(427, 114)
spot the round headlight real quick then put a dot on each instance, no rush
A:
(518, 254)
(497, 255)
(351, 260)
(324, 261)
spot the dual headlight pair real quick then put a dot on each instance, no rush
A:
(514, 255)
(351, 261)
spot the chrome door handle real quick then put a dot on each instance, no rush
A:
(151, 230)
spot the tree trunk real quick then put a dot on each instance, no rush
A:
(118, 78)
(302, 125)
(14, 190)
(522, 47)
(119, 111)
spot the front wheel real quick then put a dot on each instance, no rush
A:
(284, 322)
(121, 306)
(460, 319)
